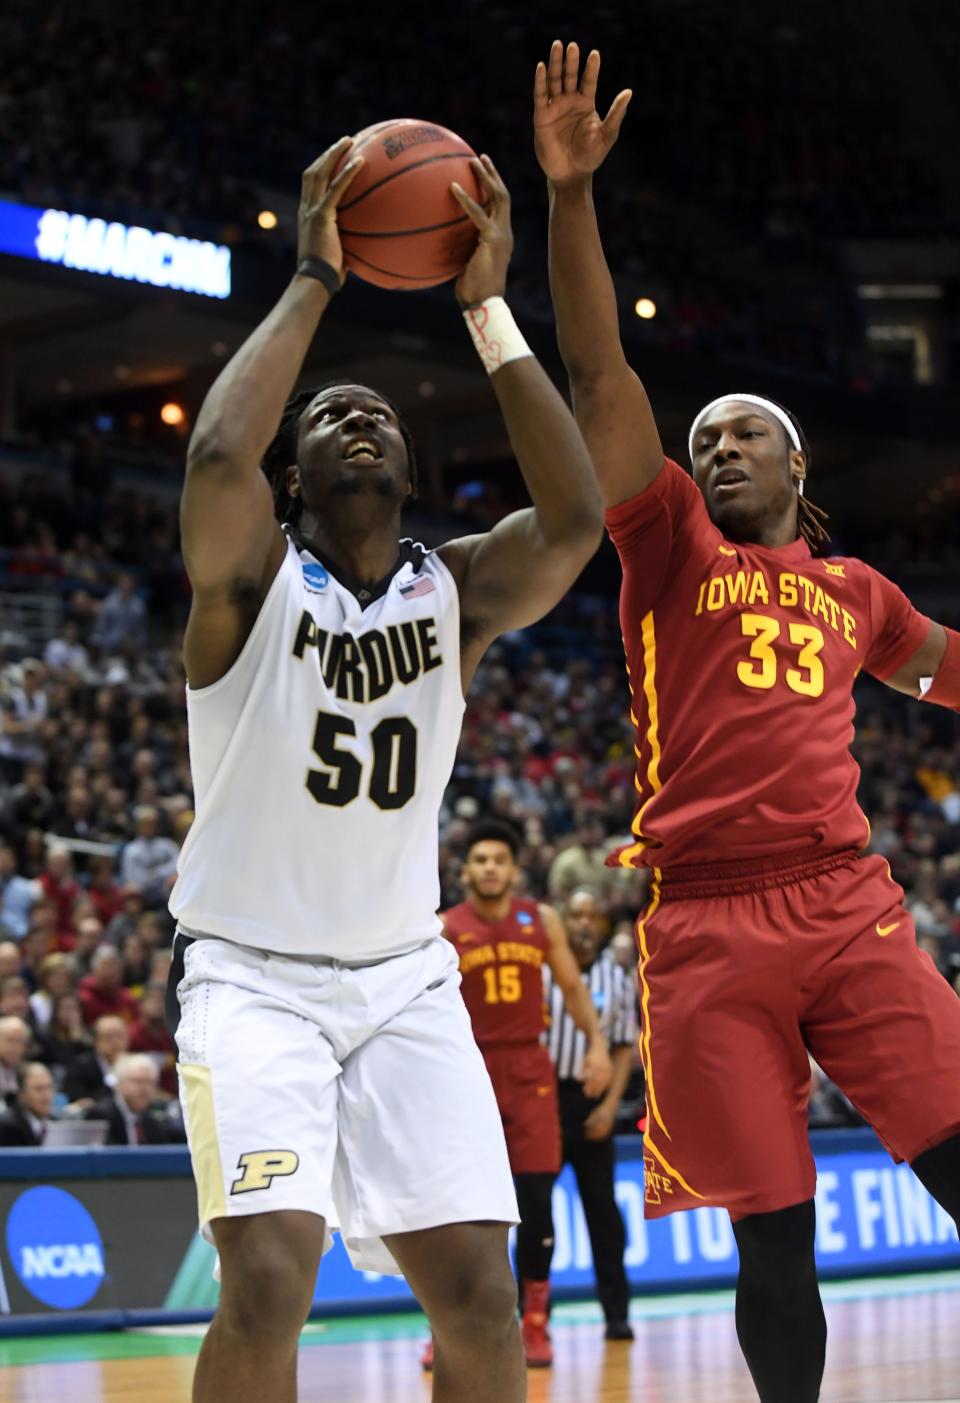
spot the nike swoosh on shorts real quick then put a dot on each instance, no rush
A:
(886, 930)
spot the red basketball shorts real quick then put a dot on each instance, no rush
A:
(739, 978)
(525, 1086)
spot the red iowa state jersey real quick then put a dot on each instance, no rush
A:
(500, 968)
(741, 660)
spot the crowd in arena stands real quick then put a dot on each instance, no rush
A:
(111, 551)
(96, 799)
(190, 114)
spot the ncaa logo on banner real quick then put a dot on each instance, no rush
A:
(55, 1248)
(315, 578)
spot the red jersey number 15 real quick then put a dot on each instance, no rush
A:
(501, 984)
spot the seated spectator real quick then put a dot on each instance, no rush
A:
(125, 920)
(92, 1068)
(15, 997)
(60, 887)
(33, 853)
(135, 956)
(82, 908)
(102, 992)
(35, 946)
(66, 1034)
(582, 863)
(66, 653)
(57, 976)
(24, 711)
(11, 960)
(15, 1003)
(31, 802)
(122, 618)
(126, 1108)
(160, 966)
(17, 895)
(154, 928)
(81, 562)
(25, 1122)
(75, 817)
(151, 1036)
(115, 825)
(14, 1042)
(90, 936)
(150, 861)
(103, 889)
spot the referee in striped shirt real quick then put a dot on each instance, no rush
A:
(588, 1124)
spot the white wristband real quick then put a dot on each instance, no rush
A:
(495, 334)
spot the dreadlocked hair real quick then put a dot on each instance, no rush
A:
(811, 519)
(812, 522)
(282, 451)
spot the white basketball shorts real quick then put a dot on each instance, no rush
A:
(354, 1092)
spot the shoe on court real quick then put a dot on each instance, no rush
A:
(426, 1358)
(533, 1327)
(619, 1330)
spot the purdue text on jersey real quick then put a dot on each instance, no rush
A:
(364, 668)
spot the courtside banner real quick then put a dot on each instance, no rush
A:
(129, 252)
(92, 1232)
(872, 1217)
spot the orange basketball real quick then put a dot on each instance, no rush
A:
(399, 224)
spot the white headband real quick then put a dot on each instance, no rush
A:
(766, 404)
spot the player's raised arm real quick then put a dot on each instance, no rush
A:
(610, 403)
(232, 543)
(514, 574)
(597, 1066)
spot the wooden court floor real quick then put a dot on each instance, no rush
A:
(890, 1342)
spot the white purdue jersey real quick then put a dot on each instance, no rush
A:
(319, 763)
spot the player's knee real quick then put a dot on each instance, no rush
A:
(269, 1299)
(268, 1284)
(777, 1249)
(479, 1307)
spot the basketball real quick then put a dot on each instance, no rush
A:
(400, 227)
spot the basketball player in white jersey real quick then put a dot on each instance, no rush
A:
(328, 1071)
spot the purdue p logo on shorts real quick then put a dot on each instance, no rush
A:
(261, 1167)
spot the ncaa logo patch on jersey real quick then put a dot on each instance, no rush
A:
(315, 578)
(524, 918)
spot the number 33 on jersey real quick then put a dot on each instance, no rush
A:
(320, 761)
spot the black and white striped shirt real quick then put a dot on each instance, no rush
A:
(613, 995)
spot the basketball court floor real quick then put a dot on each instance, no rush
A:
(894, 1340)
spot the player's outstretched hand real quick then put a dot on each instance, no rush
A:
(570, 139)
(597, 1070)
(320, 193)
(486, 273)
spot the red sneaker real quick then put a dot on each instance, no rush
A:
(533, 1327)
(426, 1358)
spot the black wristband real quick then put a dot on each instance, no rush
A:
(323, 271)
